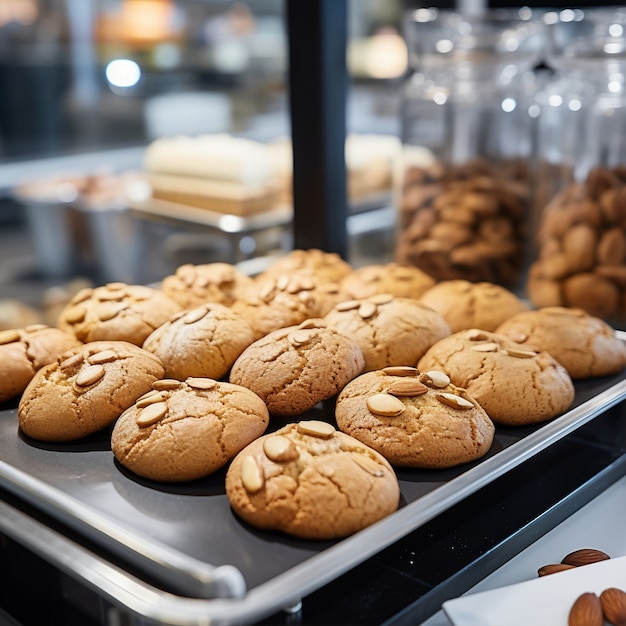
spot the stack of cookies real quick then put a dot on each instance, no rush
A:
(309, 383)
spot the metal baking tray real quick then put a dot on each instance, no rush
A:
(178, 554)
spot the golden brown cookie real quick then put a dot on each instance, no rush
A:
(311, 481)
(513, 384)
(202, 342)
(404, 281)
(17, 314)
(413, 419)
(86, 389)
(328, 266)
(472, 305)
(182, 431)
(389, 331)
(586, 346)
(23, 351)
(192, 285)
(292, 369)
(282, 300)
(117, 312)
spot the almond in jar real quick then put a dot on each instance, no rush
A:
(468, 129)
(579, 256)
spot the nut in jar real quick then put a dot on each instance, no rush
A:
(468, 101)
(580, 256)
(581, 247)
(464, 222)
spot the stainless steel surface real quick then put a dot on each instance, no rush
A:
(16, 172)
(187, 538)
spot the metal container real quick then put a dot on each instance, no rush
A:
(116, 241)
(56, 228)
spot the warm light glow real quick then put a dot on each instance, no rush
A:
(386, 55)
(22, 12)
(146, 20)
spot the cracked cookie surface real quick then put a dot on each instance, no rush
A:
(294, 368)
(116, 312)
(413, 419)
(279, 300)
(24, 351)
(311, 481)
(465, 305)
(203, 342)
(513, 384)
(389, 330)
(182, 431)
(327, 266)
(86, 389)
(192, 285)
(404, 281)
(585, 345)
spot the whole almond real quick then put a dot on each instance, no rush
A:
(613, 602)
(586, 611)
(553, 568)
(584, 556)
(407, 387)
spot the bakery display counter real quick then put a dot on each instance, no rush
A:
(233, 227)
(176, 554)
(368, 213)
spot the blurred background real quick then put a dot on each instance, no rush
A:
(86, 85)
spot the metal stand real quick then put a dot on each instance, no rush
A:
(317, 33)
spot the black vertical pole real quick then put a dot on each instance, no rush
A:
(318, 82)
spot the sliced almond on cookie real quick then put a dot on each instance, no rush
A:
(454, 401)
(407, 388)
(151, 414)
(316, 428)
(152, 397)
(279, 449)
(400, 370)
(384, 405)
(251, 475)
(89, 376)
(9, 336)
(368, 464)
(435, 378)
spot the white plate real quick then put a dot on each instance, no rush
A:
(544, 601)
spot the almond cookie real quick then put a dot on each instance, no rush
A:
(192, 285)
(389, 331)
(515, 385)
(86, 389)
(23, 351)
(472, 305)
(586, 346)
(404, 281)
(325, 265)
(292, 369)
(182, 431)
(116, 312)
(282, 300)
(413, 419)
(311, 481)
(202, 342)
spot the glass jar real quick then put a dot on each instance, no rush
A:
(580, 250)
(468, 121)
